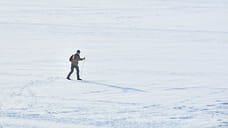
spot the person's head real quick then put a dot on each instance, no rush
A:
(78, 51)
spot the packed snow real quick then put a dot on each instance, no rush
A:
(149, 63)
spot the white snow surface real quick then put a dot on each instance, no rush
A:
(149, 63)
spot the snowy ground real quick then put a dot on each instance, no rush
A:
(149, 63)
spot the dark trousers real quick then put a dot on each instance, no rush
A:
(72, 70)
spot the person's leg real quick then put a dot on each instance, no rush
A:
(71, 71)
(77, 69)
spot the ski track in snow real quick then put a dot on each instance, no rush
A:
(149, 64)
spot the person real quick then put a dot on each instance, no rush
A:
(74, 64)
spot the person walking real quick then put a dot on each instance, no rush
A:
(74, 59)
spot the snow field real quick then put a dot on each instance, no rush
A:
(149, 64)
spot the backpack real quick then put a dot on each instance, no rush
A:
(70, 59)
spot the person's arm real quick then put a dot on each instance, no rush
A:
(81, 58)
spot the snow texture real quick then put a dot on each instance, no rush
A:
(149, 63)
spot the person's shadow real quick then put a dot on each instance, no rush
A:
(113, 86)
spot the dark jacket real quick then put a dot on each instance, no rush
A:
(75, 58)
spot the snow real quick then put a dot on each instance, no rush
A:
(149, 64)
